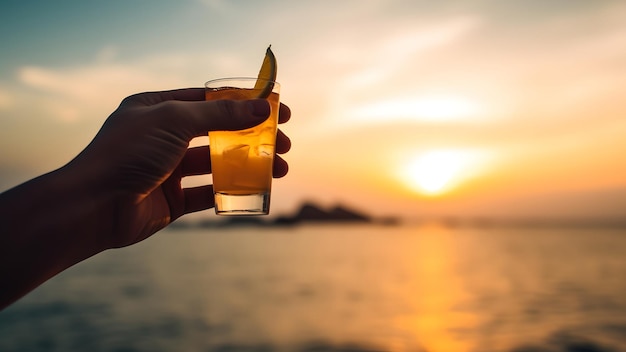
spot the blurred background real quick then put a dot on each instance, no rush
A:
(418, 110)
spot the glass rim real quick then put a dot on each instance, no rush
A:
(228, 79)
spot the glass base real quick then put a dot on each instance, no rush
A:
(237, 204)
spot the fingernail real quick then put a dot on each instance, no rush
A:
(259, 107)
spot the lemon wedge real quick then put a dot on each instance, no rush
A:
(267, 75)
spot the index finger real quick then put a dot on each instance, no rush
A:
(152, 98)
(186, 94)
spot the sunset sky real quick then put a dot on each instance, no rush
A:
(411, 108)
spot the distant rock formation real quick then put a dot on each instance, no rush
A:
(308, 213)
(312, 213)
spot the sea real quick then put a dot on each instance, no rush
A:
(337, 287)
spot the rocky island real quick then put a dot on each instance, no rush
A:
(308, 213)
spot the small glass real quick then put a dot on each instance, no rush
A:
(242, 161)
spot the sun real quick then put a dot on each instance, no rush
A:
(438, 171)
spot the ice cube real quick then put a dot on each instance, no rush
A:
(236, 154)
(247, 132)
(256, 176)
(265, 150)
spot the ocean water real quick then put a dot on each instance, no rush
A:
(337, 288)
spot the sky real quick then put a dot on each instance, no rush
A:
(400, 108)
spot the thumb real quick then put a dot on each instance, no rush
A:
(226, 115)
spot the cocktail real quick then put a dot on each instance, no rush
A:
(242, 161)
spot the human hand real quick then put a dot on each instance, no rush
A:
(141, 154)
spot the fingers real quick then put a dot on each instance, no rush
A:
(198, 198)
(280, 167)
(196, 162)
(152, 98)
(283, 143)
(198, 117)
(284, 113)
(188, 110)
(201, 198)
(230, 115)
(186, 94)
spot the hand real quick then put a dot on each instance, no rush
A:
(122, 188)
(141, 154)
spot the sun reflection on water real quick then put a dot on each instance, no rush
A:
(436, 291)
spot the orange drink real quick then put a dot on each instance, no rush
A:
(241, 161)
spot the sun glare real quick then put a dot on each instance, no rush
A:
(438, 171)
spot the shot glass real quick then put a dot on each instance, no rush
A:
(242, 161)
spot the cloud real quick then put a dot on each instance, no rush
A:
(419, 109)
(363, 79)
(394, 51)
(107, 53)
(216, 5)
(77, 92)
(68, 91)
(6, 99)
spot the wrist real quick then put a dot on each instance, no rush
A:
(90, 205)
(48, 224)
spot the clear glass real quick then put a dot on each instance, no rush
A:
(242, 161)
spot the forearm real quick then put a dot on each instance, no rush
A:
(47, 225)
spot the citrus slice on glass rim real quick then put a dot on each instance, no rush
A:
(267, 75)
